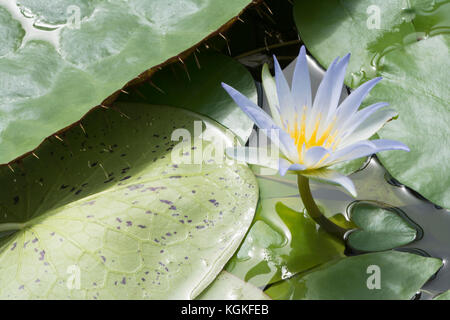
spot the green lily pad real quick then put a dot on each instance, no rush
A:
(409, 50)
(229, 287)
(422, 103)
(63, 58)
(443, 296)
(367, 29)
(401, 275)
(380, 228)
(108, 204)
(196, 86)
(282, 240)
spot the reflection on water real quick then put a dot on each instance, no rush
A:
(417, 21)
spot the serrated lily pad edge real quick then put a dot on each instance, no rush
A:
(144, 76)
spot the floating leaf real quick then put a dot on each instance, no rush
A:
(415, 84)
(65, 57)
(229, 287)
(367, 29)
(108, 203)
(413, 81)
(381, 228)
(400, 274)
(196, 86)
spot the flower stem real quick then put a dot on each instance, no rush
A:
(314, 212)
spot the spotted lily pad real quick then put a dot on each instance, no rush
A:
(406, 43)
(372, 276)
(380, 228)
(229, 287)
(114, 209)
(61, 58)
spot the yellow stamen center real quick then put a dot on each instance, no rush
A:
(297, 131)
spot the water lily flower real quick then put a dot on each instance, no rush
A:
(316, 134)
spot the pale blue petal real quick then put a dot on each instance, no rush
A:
(321, 103)
(270, 88)
(351, 104)
(314, 155)
(338, 83)
(286, 102)
(369, 127)
(332, 177)
(384, 145)
(323, 95)
(285, 166)
(359, 117)
(354, 151)
(364, 149)
(264, 121)
(301, 83)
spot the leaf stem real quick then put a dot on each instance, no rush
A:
(314, 211)
(11, 226)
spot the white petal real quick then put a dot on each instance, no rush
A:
(354, 151)
(286, 102)
(323, 95)
(369, 126)
(332, 177)
(384, 145)
(282, 140)
(314, 155)
(359, 117)
(321, 100)
(301, 83)
(338, 83)
(285, 166)
(364, 149)
(351, 104)
(270, 89)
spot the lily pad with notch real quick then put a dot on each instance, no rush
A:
(380, 227)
